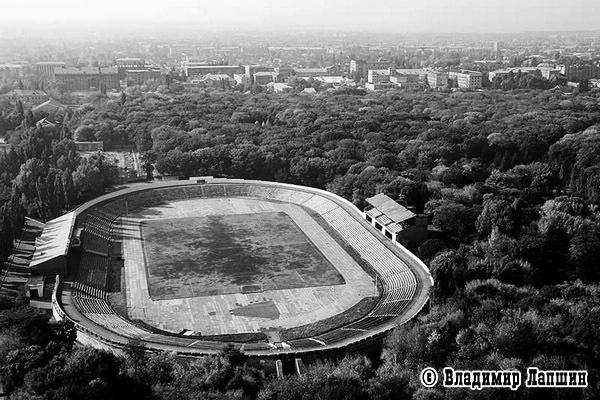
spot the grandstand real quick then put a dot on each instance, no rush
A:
(113, 221)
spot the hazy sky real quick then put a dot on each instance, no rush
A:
(384, 15)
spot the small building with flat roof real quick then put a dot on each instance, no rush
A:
(396, 222)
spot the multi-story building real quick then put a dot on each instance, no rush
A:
(13, 68)
(46, 68)
(89, 78)
(576, 73)
(242, 79)
(420, 72)
(546, 72)
(406, 81)
(467, 79)
(378, 80)
(361, 68)
(140, 76)
(27, 97)
(262, 78)
(125, 64)
(437, 79)
(284, 73)
(202, 68)
(216, 81)
(314, 72)
(378, 76)
(250, 70)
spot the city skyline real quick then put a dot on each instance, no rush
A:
(32, 17)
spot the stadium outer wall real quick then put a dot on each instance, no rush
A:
(91, 333)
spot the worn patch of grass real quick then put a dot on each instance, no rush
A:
(223, 254)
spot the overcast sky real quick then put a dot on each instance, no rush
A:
(384, 15)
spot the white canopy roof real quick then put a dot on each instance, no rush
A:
(54, 240)
(390, 208)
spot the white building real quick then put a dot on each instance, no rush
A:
(437, 79)
(467, 79)
(314, 72)
(279, 87)
(378, 76)
(378, 80)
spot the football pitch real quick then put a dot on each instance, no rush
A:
(233, 253)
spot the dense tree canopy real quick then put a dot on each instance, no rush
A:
(510, 180)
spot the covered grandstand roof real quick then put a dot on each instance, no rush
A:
(390, 208)
(373, 212)
(54, 240)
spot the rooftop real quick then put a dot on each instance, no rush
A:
(411, 71)
(390, 208)
(279, 85)
(85, 71)
(332, 79)
(54, 240)
(467, 72)
(204, 66)
(310, 70)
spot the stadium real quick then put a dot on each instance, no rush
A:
(192, 266)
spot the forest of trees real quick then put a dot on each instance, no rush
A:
(511, 179)
(42, 175)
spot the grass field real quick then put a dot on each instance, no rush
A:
(224, 254)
